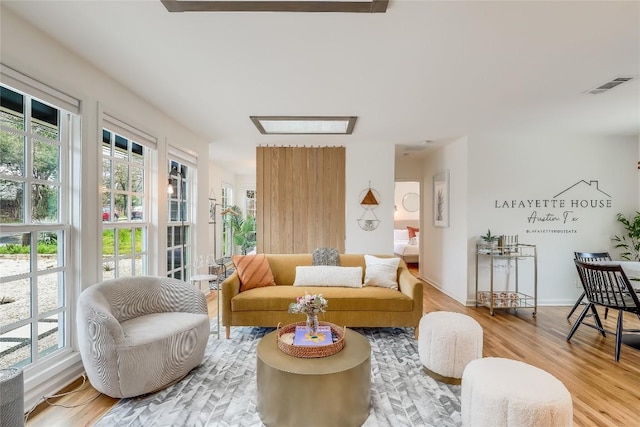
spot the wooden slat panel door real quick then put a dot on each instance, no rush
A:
(300, 198)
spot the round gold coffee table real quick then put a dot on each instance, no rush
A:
(325, 391)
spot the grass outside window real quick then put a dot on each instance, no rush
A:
(124, 241)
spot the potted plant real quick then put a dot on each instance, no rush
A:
(490, 240)
(245, 235)
(629, 242)
(243, 229)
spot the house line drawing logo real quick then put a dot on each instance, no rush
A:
(592, 184)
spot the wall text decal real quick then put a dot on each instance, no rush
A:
(561, 209)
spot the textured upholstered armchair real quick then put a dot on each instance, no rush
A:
(140, 334)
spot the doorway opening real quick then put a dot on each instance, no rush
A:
(406, 233)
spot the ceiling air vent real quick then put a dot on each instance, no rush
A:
(413, 148)
(417, 148)
(609, 85)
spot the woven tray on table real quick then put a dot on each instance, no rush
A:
(308, 351)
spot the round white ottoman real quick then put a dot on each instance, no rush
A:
(447, 342)
(503, 392)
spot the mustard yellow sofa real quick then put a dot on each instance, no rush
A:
(354, 307)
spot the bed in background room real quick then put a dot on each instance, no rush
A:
(406, 241)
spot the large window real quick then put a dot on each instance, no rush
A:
(180, 208)
(125, 206)
(35, 230)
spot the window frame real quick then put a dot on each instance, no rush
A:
(67, 122)
(185, 221)
(117, 261)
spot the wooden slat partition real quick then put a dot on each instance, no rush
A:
(300, 198)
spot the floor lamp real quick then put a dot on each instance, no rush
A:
(176, 173)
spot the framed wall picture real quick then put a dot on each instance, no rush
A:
(441, 199)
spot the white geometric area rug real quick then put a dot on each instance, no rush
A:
(222, 390)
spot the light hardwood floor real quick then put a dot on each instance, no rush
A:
(605, 393)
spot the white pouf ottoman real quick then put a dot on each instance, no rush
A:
(447, 342)
(503, 392)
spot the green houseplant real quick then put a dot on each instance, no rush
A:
(629, 242)
(490, 239)
(245, 235)
(243, 229)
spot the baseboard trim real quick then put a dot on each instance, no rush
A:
(472, 302)
(439, 288)
(49, 380)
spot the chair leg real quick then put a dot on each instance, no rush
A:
(606, 311)
(619, 335)
(583, 313)
(597, 320)
(576, 305)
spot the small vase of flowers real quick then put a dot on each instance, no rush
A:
(310, 305)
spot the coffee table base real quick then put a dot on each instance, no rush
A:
(308, 392)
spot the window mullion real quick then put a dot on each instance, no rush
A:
(64, 174)
(28, 163)
(34, 295)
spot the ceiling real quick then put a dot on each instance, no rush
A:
(424, 70)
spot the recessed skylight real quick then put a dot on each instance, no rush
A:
(304, 125)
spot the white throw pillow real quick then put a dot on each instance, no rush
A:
(381, 272)
(328, 275)
(401, 234)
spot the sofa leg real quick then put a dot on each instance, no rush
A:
(228, 331)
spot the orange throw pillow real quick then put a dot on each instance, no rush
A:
(254, 271)
(412, 231)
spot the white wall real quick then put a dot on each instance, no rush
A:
(444, 251)
(538, 167)
(34, 54)
(409, 168)
(369, 163)
(527, 168)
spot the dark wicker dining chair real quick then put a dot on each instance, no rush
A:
(606, 286)
(588, 257)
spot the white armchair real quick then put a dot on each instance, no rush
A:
(138, 335)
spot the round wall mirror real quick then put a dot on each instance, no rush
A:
(411, 202)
